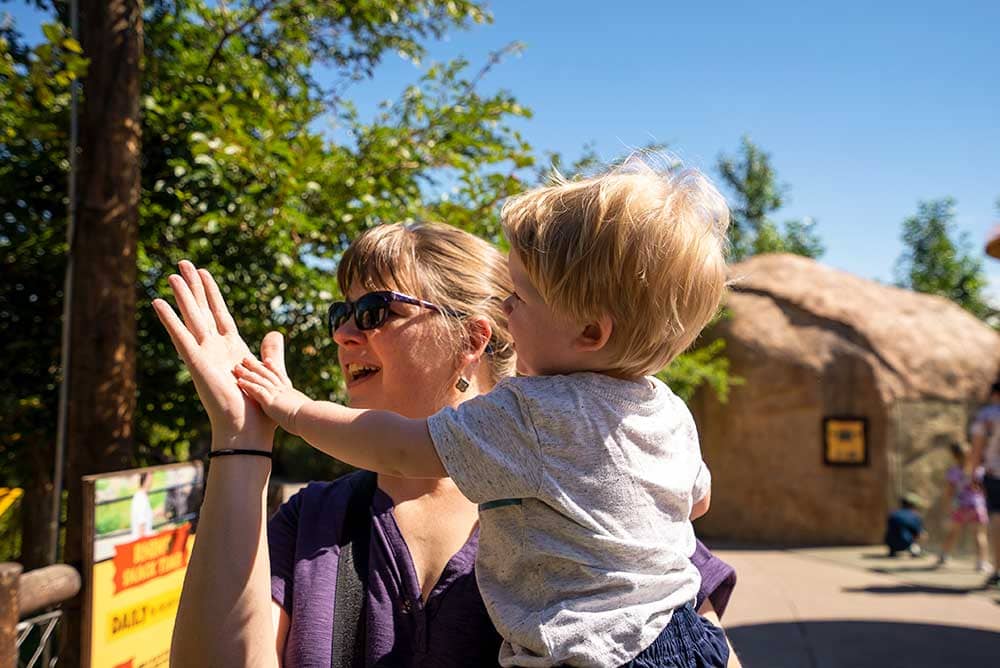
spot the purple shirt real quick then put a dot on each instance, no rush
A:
(451, 629)
(718, 579)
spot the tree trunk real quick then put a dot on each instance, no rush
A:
(102, 312)
(36, 509)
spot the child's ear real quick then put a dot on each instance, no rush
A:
(594, 335)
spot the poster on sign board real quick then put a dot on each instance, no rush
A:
(139, 528)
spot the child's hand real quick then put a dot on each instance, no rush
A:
(272, 390)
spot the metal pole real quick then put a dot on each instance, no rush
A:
(60, 455)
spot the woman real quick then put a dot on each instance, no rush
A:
(440, 337)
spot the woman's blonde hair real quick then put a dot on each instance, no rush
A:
(642, 245)
(445, 266)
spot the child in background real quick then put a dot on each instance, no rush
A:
(587, 469)
(905, 527)
(968, 507)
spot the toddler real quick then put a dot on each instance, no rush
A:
(586, 469)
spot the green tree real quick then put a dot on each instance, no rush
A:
(939, 260)
(238, 176)
(756, 194)
(34, 103)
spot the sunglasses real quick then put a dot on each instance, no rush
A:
(372, 310)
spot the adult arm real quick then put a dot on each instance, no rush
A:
(976, 456)
(226, 616)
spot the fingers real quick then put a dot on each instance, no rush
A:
(258, 382)
(190, 274)
(258, 372)
(255, 391)
(272, 352)
(193, 279)
(188, 307)
(183, 341)
(244, 374)
(223, 320)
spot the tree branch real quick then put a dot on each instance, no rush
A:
(253, 18)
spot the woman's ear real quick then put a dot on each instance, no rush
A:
(594, 335)
(479, 334)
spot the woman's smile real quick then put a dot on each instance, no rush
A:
(356, 373)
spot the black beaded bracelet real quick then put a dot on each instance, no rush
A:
(240, 451)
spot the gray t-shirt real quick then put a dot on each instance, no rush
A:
(585, 484)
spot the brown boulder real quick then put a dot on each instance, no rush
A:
(813, 342)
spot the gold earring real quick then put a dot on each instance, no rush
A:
(463, 384)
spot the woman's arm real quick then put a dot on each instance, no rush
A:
(282, 622)
(225, 613)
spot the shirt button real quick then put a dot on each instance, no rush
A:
(406, 606)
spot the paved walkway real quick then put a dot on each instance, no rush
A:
(855, 608)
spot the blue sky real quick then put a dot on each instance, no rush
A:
(865, 107)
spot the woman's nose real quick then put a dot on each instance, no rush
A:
(348, 333)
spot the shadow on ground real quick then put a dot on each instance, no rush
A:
(862, 644)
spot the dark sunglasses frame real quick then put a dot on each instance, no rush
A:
(342, 311)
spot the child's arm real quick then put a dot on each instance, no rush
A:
(701, 492)
(380, 441)
(701, 507)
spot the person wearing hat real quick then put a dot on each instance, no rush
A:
(905, 528)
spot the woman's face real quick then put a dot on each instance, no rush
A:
(407, 365)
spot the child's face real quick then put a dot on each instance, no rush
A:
(543, 338)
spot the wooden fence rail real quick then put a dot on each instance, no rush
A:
(23, 594)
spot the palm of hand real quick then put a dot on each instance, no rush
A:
(217, 355)
(211, 347)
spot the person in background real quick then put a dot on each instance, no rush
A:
(968, 507)
(905, 527)
(986, 453)
(142, 510)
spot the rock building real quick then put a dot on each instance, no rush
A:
(853, 390)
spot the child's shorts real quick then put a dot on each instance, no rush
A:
(689, 641)
(970, 515)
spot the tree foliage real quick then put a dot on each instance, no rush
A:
(255, 169)
(940, 261)
(34, 103)
(756, 194)
(239, 175)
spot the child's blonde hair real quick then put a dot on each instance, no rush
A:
(641, 245)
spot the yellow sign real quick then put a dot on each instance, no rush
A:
(844, 441)
(139, 547)
(8, 496)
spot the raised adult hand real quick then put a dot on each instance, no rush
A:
(210, 345)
